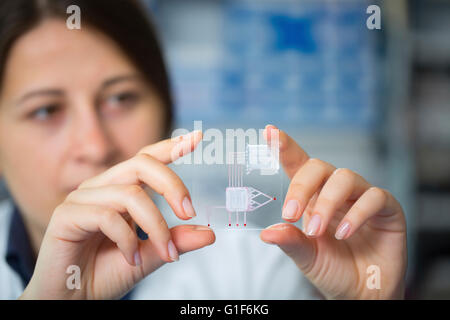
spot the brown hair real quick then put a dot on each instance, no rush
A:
(125, 21)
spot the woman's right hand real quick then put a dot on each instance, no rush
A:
(94, 228)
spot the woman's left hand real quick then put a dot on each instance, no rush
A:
(352, 229)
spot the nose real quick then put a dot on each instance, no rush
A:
(92, 144)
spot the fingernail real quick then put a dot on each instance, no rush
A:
(137, 258)
(269, 128)
(173, 253)
(180, 138)
(290, 210)
(277, 226)
(314, 225)
(342, 231)
(202, 228)
(186, 137)
(191, 134)
(188, 208)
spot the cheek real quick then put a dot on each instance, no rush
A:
(27, 152)
(139, 129)
(30, 166)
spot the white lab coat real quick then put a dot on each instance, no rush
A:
(237, 266)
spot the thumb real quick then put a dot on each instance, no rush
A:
(293, 242)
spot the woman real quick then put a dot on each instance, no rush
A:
(81, 114)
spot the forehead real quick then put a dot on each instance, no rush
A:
(52, 55)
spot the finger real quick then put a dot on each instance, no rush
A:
(375, 202)
(77, 222)
(185, 237)
(306, 182)
(292, 156)
(146, 169)
(169, 150)
(192, 237)
(342, 185)
(293, 242)
(134, 200)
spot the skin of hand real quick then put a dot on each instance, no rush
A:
(94, 228)
(349, 225)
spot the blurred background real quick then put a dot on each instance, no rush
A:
(374, 101)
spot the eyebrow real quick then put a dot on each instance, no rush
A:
(122, 78)
(40, 92)
(59, 92)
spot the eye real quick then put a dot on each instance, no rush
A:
(45, 112)
(125, 99)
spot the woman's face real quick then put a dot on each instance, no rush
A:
(71, 106)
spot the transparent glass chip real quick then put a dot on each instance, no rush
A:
(242, 193)
(260, 157)
(237, 199)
